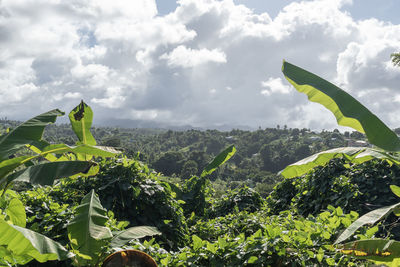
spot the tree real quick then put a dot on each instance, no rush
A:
(395, 59)
(169, 163)
(189, 169)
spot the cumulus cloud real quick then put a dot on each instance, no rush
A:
(274, 85)
(207, 63)
(187, 57)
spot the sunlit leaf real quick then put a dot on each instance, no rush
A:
(7, 166)
(220, 159)
(16, 212)
(46, 173)
(369, 218)
(81, 118)
(123, 237)
(80, 149)
(24, 242)
(88, 230)
(395, 189)
(372, 249)
(320, 159)
(347, 110)
(353, 154)
(26, 133)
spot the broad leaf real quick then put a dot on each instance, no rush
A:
(46, 173)
(320, 159)
(26, 133)
(87, 231)
(123, 237)
(347, 110)
(24, 242)
(369, 218)
(43, 150)
(16, 212)
(220, 159)
(7, 166)
(373, 249)
(356, 155)
(395, 189)
(81, 120)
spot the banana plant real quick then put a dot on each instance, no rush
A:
(90, 237)
(196, 189)
(349, 112)
(19, 245)
(381, 251)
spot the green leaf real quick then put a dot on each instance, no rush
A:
(25, 243)
(81, 118)
(87, 230)
(355, 155)
(252, 260)
(7, 166)
(123, 237)
(395, 189)
(197, 242)
(347, 110)
(369, 218)
(373, 249)
(320, 159)
(16, 212)
(220, 159)
(26, 133)
(44, 149)
(46, 173)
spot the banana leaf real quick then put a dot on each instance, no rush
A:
(369, 218)
(81, 118)
(26, 245)
(26, 133)
(123, 237)
(88, 231)
(220, 159)
(46, 173)
(355, 155)
(379, 250)
(347, 110)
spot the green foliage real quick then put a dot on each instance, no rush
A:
(353, 187)
(87, 231)
(244, 239)
(127, 188)
(349, 112)
(19, 245)
(241, 199)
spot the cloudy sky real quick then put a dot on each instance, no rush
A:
(204, 63)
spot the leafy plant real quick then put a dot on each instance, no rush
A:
(349, 112)
(18, 244)
(90, 237)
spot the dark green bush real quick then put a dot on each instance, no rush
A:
(127, 188)
(241, 199)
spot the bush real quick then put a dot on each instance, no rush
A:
(127, 188)
(242, 199)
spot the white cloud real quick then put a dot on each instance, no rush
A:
(73, 95)
(275, 85)
(187, 57)
(200, 65)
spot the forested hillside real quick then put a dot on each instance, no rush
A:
(260, 154)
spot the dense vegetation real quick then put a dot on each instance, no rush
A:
(174, 195)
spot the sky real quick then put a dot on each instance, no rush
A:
(205, 63)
